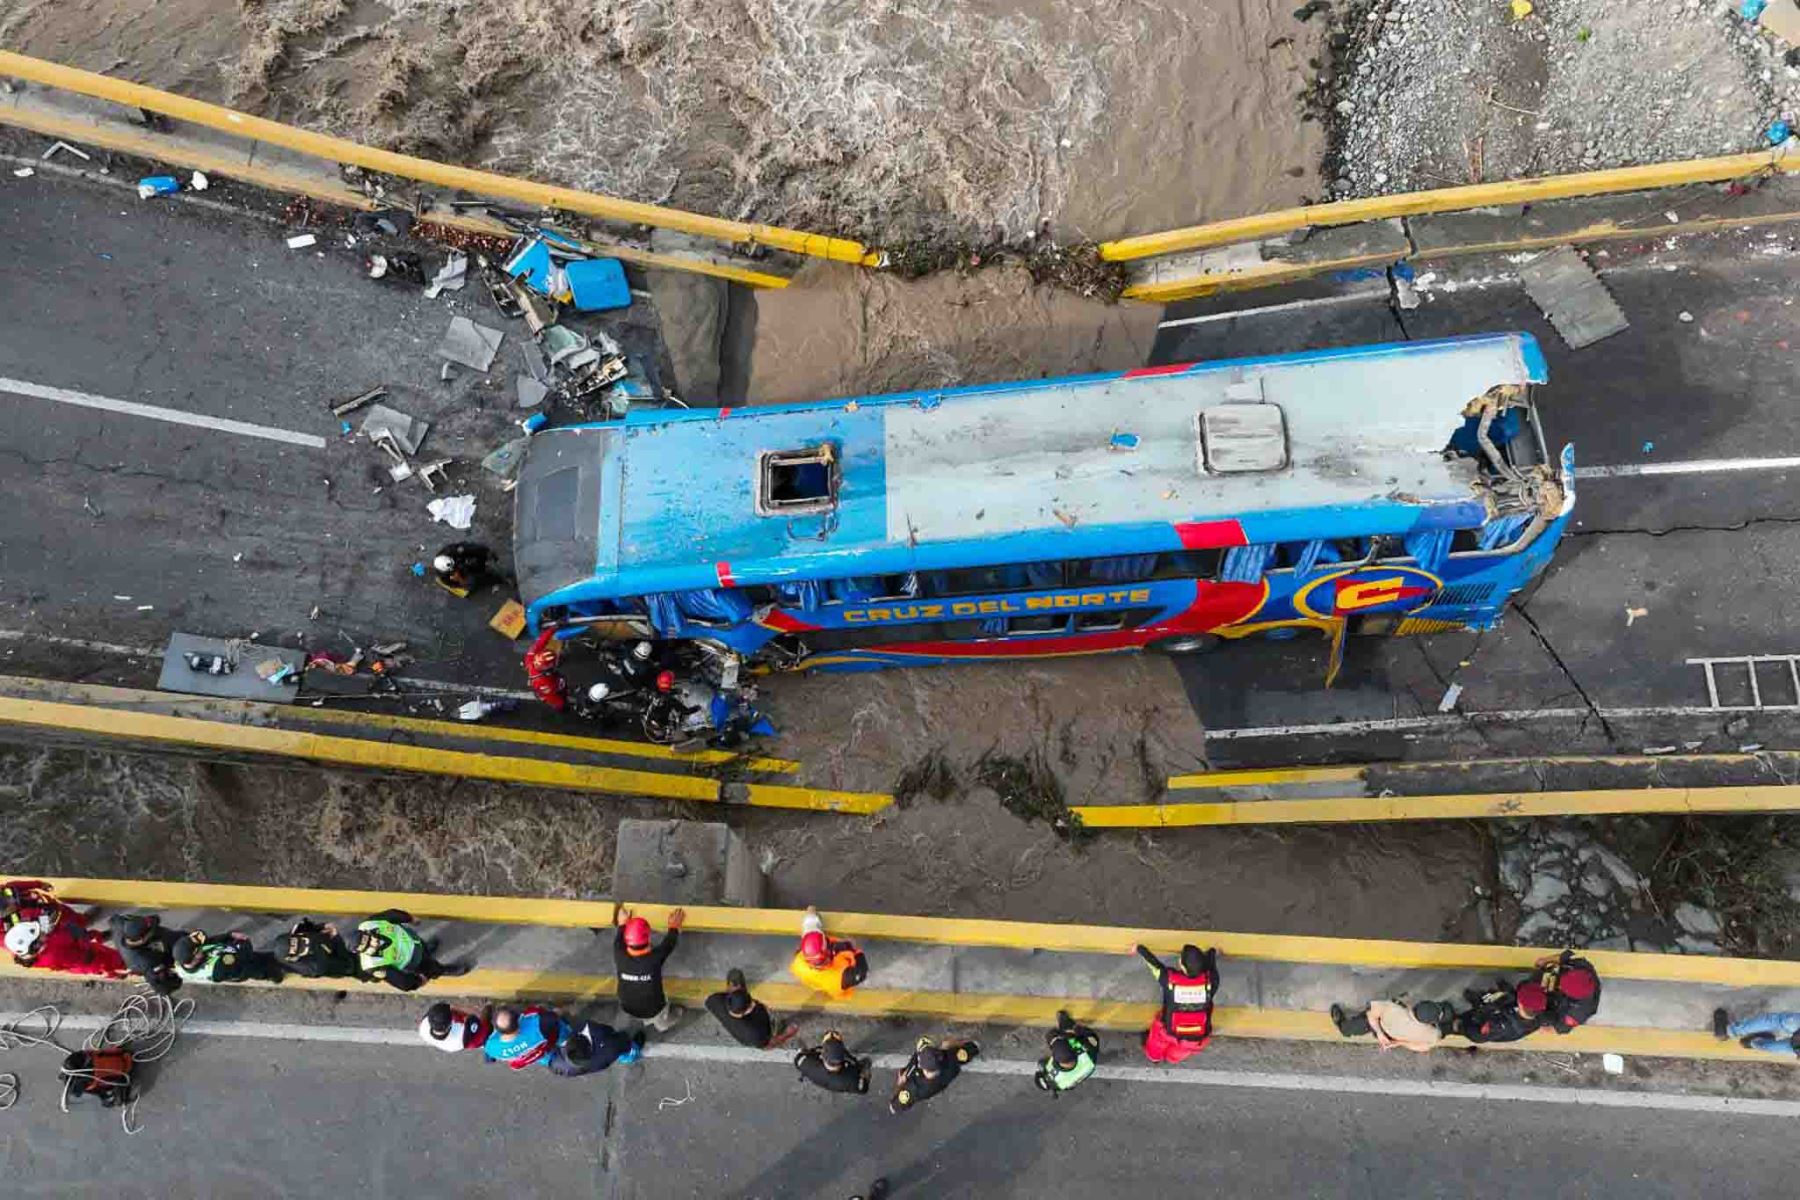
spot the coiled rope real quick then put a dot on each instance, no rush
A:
(145, 1025)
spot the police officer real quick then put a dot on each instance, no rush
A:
(832, 1066)
(148, 947)
(745, 1017)
(1074, 1049)
(390, 951)
(317, 952)
(224, 959)
(931, 1069)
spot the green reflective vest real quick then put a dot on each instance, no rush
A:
(1064, 1078)
(209, 958)
(401, 943)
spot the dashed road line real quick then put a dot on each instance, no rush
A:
(173, 416)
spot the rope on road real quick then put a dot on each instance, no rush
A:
(143, 1019)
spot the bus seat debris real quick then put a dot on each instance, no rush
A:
(407, 431)
(1574, 300)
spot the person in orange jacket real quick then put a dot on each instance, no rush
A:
(542, 670)
(824, 965)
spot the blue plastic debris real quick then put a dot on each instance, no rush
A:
(1403, 270)
(534, 422)
(532, 265)
(418, 569)
(1649, 446)
(1124, 441)
(1752, 9)
(1778, 133)
(597, 284)
(344, 428)
(157, 185)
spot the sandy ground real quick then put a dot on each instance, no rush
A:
(172, 818)
(891, 119)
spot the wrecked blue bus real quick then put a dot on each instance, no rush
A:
(1391, 489)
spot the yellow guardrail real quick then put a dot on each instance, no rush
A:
(366, 754)
(946, 931)
(487, 183)
(1441, 200)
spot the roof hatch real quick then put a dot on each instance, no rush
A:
(791, 482)
(1239, 438)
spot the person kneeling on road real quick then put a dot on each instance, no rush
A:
(640, 968)
(389, 950)
(1184, 1026)
(745, 1017)
(1393, 1024)
(1770, 1032)
(454, 1030)
(930, 1070)
(1074, 1051)
(317, 952)
(225, 959)
(593, 1046)
(463, 567)
(832, 1066)
(1571, 990)
(833, 968)
(148, 947)
(522, 1037)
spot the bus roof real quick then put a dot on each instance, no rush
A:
(1316, 444)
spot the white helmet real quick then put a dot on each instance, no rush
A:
(24, 937)
(442, 564)
(599, 692)
(642, 651)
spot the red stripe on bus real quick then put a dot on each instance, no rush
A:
(1210, 535)
(1171, 369)
(785, 622)
(724, 572)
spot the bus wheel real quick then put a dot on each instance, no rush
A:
(1187, 643)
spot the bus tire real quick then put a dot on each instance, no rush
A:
(1187, 643)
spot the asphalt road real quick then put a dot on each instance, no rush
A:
(227, 1117)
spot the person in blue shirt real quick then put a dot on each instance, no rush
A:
(521, 1038)
(592, 1046)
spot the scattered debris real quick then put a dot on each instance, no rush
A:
(1684, 316)
(64, 147)
(407, 431)
(1613, 1064)
(157, 185)
(302, 241)
(470, 345)
(458, 512)
(505, 461)
(401, 268)
(198, 181)
(345, 407)
(509, 621)
(1452, 694)
(450, 277)
(597, 284)
(24, 172)
(1572, 297)
(531, 391)
(1029, 790)
(1632, 614)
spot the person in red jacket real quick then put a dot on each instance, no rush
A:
(541, 671)
(42, 931)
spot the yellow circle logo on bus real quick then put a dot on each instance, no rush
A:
(1367, 590)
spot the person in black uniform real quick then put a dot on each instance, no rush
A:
(149, 947)
(931, 1070)
(464, 567)
(745, 1017)
(317, 952)
(1505, 1014)
(830, 1065)
(227, 958)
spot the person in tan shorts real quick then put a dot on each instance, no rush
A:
(1393, 1024)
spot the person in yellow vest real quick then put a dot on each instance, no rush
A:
(390, 950)
(831, 967)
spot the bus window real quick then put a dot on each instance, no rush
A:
(1119, 568)
(1188, 564)
(1117, 618)
(1037, 623)
(1008, 577)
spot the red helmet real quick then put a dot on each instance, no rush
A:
(812, 946)
(665, 681)
(637, 933)
(1531, 998)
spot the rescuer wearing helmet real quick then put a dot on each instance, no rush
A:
(464, 567)
(824, 965)
(542, 671)
(931, 1069)
(832, 1066)
(41, 931)
(640, 967)
(1074, 1050)
(1184, 1026)
(1505, 1014)
(389, 950)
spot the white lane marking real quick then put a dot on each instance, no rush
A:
(173, 416)
(1251, 1080)
(1290, 306)
(1694, 466)
(1401, 724)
